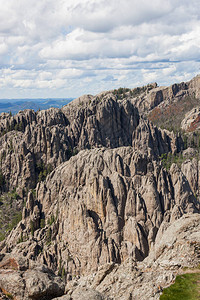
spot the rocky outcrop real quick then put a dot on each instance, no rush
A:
(175, 107)
(176, 251)
(154, 141)
(37, 142)
(108, 208)
(194, 86)
(102, 219)
(190, 169)
(164, 96)
(19, 280)
(191, 121)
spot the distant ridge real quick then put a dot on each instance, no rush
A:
(15, 105)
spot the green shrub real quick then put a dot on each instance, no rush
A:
(2, 180)
(48, 236)
(10, 296)
(3, 155)
(74, 152)
(71, 152)
(2, 236)
(51, 220)
(42, 223)
(20, 240)
(169, 159)
(137, 91)
(63, 273)
(11, 146)
(19, 127)
(32, 227)
(15, 196)
(16, 219)
(121, 92)
(43, 170)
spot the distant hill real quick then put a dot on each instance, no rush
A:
(15, 105)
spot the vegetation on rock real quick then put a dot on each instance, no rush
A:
(170, 116)
(43, 170)
(10, 212)
(186, 287)
(168, 159)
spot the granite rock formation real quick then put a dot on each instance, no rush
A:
(102, 214)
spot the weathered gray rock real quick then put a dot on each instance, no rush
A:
(32, 141)
(177, 246)
(109, 220)
(22, 282)
(191, 121)
(164, 96)
(42, 285)
(102, 206)
(89, 294)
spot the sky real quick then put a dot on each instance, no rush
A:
(67, 48)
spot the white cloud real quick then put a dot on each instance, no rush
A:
(82, 46)
(3, 48)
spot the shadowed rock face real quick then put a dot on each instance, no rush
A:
(50, 136)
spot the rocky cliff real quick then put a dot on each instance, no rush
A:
(167, 106)
(102, 190)
(33, 142)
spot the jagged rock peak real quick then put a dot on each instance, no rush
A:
(110, 204)
(32, 141)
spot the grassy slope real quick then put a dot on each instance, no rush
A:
(186, 287)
